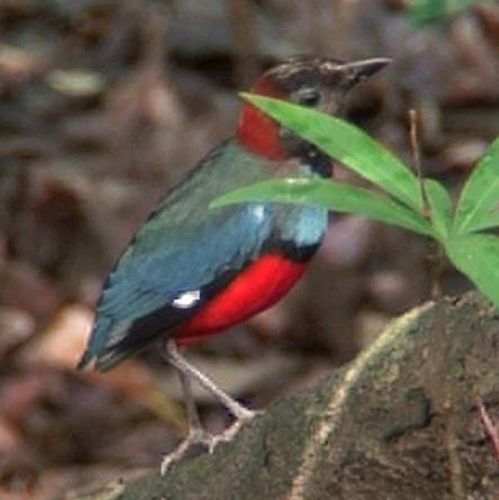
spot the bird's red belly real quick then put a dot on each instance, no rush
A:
(258, 287)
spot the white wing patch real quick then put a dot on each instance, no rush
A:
(186, 300)
(258, 212)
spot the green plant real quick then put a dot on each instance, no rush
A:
(463, 231)
(423, 12)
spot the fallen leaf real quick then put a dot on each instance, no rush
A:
(62, 343)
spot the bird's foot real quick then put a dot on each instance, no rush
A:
(229, 433)
(195, 438)
(199, 437)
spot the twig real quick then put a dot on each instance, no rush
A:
(344, 12)
(442, 336)
(416, 156)
(491, 429)
(435, 253)
(243, 23)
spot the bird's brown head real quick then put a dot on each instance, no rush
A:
(316, 82)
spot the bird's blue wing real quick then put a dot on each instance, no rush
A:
(164, 277)
(191, 256)
(183, 255)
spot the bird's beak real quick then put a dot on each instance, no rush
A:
(358, 71)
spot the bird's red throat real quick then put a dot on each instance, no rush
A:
(256, 131)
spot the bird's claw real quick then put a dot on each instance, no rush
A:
(209, 441)
(229, 433)
(196, 437)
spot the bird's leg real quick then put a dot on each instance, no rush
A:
(193, 418)
(177, 360)
(196, 434)
(187, 370)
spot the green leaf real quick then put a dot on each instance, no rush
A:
(427, 11)
(441, 208)
(477, 256)
(348, 144)
(478, 206)
(331, 195)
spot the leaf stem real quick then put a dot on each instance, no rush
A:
(416, 158)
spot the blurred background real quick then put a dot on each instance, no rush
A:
(104, 105)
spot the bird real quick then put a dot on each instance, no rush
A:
(190, 272)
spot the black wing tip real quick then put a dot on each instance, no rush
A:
(100, 363)
(106, 362)
(103, 361)
(85, 361)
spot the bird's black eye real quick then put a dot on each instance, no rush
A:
(310, 99)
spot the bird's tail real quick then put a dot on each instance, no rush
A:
(104, 353)
(96, 345)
